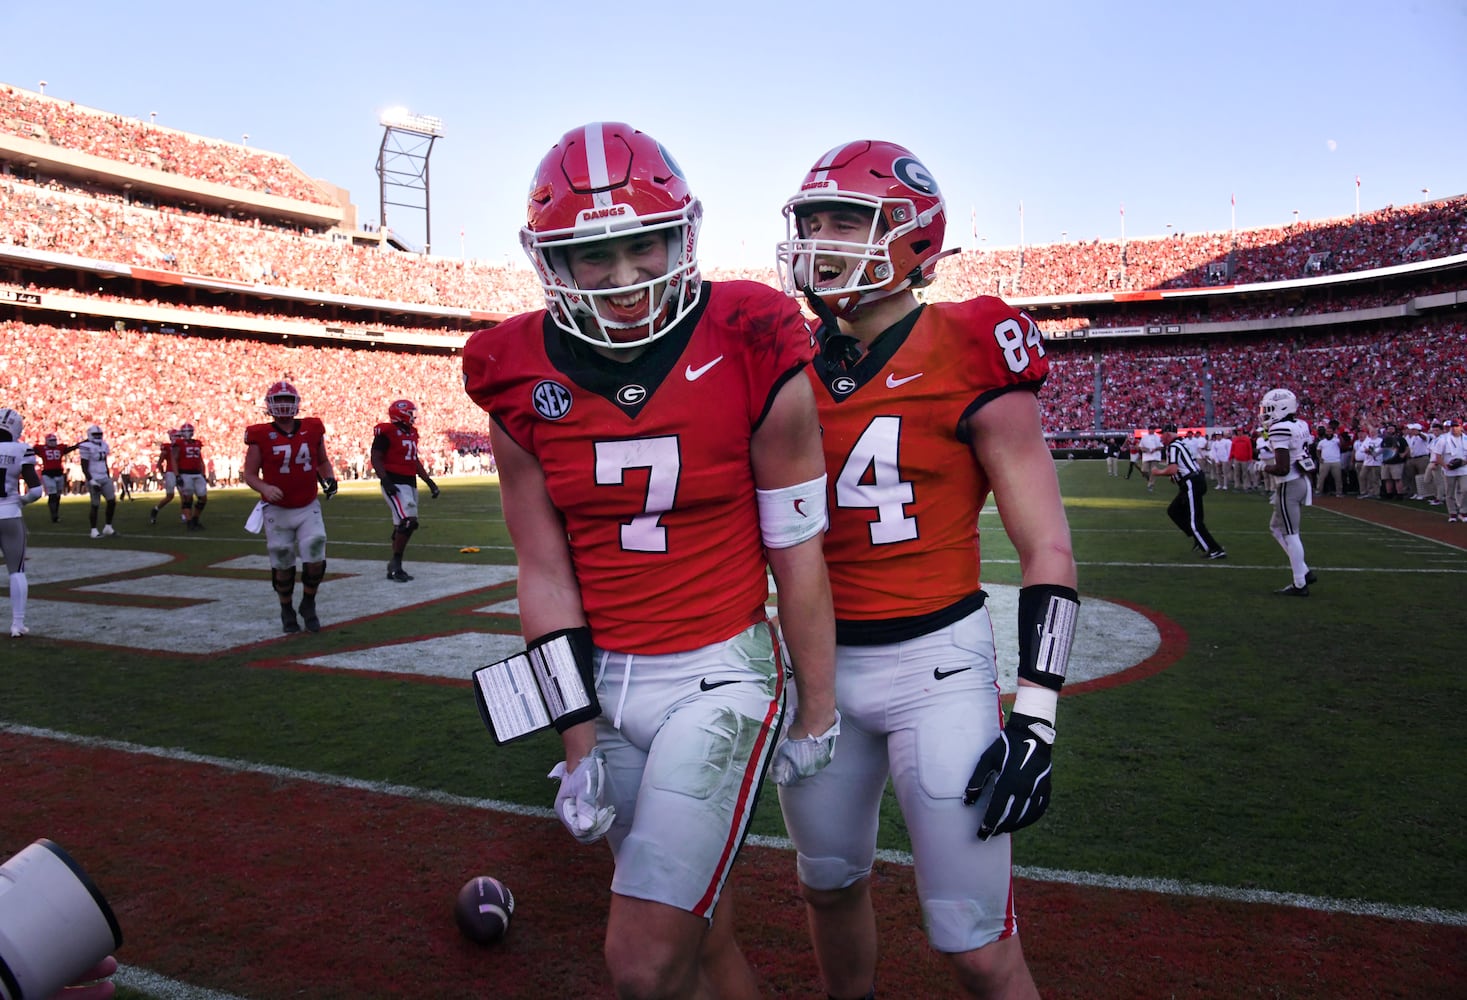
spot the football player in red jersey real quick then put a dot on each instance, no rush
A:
(285, 460)
(924, 410)
(193, 481)
(167, 475)
(53, 473)
(396, 461)
(657, 450)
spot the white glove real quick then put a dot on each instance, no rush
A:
(581, 802)
(795, 760)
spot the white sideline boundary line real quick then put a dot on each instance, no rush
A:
(164, 988)
(1163, 886)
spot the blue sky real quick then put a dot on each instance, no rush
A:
(1072, 108)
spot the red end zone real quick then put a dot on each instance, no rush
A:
(270, 886)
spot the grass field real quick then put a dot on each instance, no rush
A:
(1290, 747)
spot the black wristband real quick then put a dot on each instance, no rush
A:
(1047, 614)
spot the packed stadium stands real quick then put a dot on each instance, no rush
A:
(132, 299)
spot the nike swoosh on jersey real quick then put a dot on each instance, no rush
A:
(938, 673)
(892, 382)
(693, 374)
(707, 685)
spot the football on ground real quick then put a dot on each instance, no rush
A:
(483, 909)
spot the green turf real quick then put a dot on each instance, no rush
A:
(1308, 746)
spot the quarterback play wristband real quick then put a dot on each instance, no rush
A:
(1047, 615)
(551, 683)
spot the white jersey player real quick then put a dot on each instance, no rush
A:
(94, 452)
(1289, 438)
(19, 485)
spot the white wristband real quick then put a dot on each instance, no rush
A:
(790, 515)
(1039, 702)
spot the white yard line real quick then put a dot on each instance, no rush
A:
(1164, 886)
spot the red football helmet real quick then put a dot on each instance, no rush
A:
(905, 241)
(186, 432)
(603, 181)
(52, 439)
(173, 436)
(402, 411)
(282, 400)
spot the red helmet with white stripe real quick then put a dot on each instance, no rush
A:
(904, 241)
(282, 400)
(601, 182)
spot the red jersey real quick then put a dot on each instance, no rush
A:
(904, 489)
(190, 456)
(51, 455)
(648, 461)
(165, 459)
(400, 446)
(290, 461)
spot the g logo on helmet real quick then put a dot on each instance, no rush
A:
(910, 172)
(551, 399)
(671, 163)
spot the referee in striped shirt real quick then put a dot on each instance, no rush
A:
(1186, 510)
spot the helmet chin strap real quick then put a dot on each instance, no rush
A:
(840, 350)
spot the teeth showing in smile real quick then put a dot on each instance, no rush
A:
(825, 272)
(628, 302)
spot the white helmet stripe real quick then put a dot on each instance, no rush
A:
(596, 163)
(828, 160)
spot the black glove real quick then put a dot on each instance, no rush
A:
(1011, 782)
(329, 488)
(433, 490)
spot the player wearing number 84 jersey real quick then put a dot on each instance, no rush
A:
(924, 410)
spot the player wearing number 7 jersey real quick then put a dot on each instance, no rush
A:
(924, 411)
(658, 448)
(284, 462)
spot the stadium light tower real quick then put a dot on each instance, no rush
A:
(402, 164)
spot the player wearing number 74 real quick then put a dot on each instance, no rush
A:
(924, 410)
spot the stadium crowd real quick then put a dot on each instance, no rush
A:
(1380, 238)
(70, 219)
(145, 144)
(1411, 370)
(138, 385)
(65, 219)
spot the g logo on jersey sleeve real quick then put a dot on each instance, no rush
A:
(551, 399)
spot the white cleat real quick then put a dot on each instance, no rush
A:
(107, 532)
(96, 533)
(16, 631)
